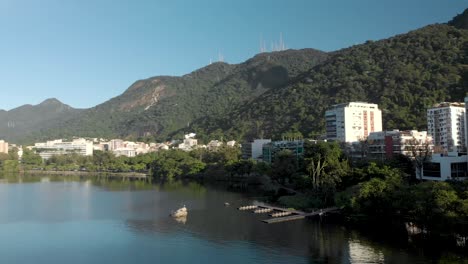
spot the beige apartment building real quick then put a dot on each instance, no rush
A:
(353, 121)
(3, 146)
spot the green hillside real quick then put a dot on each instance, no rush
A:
(280, 92)
(404, 75)
(18, 122)
(158, 107)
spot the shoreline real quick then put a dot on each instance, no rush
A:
(121, 175)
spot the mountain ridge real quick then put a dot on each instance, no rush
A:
(158, 106)
(18, 121)
(404, 74)
(275, 93)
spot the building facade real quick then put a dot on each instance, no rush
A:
(442, 167)
(446, 125)
(127, 152)
(271, 149)
(3, 146)
(188, 144)
(48, 149)
(253, 150)
(466, 123)
(214, 144)
(351, 122)
(386, 144)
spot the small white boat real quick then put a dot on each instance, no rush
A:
(181, 212)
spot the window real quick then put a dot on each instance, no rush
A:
(431, 169)
(459, 169)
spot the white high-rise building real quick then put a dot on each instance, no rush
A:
(351, 122)
(446, 125)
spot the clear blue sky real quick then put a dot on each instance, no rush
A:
(84, 52)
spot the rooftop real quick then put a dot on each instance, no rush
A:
(354, 104)
(448, 104)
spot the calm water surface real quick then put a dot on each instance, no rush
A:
(95, 221)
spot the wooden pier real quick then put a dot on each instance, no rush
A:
(279, 214)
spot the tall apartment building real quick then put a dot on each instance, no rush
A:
(351, 122)
(3, 146)
(446, 125)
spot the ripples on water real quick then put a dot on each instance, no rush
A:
(101, 221)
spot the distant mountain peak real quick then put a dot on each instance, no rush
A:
(51, 101)
(460, 21)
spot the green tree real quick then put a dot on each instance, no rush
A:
(326, 163)
(316, 169)
(174, 164)
(284, 166)
(30, 158)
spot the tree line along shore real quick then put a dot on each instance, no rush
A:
(324, 177)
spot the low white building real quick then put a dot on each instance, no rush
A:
(214, 144)
(188, 144)
(162, 146)
(451, 166)
(128, 152)
(78, 146)
(231, 143)
(386, 144)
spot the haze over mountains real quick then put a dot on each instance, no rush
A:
(270, 94)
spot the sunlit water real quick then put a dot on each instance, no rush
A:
(65, 221)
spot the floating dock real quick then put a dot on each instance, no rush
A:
(263, 211)
(279, 214)
(247, 207)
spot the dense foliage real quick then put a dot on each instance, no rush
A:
(19, 122)
(9, 162)
(405, 75)
(375, 191)
(162, 107)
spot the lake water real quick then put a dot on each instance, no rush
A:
(99, 221)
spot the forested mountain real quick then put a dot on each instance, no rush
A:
(289, 91)
(460, 21)
(404, 75)
(17, 122)
(160, 106)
